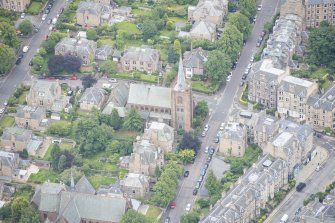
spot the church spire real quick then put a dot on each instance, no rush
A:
(181, 84)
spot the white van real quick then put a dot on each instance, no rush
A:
(284, 219)
(25, 49)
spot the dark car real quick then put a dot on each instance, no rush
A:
(40, 77)
(49, 21)
(300, 186)
(216, 140)
(203, 172)
(186, 173)
(195, 191)
(47, 11)
(206, 166)
(232, 9)
(18, 61)
(31, 63)
(244, 76)
(208, 160)
(20, 56)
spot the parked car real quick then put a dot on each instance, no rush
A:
(54, 21)
(47, 11)
(211, 151)
(300, 186)
(206, 165)
(206, 149)
(25, 49)
(51, 27)
(209, 158)
(44, 16)
(216, 139)
(201, 178)
(263, 33)
(2, 110)
(195, 191)
(259, 42)
(23, 15)
(20, 56)
(18, 61)
(206, 127)
(197, 185)
(222, 126)
(188, 207)
(31, 63)
(167, 220)
(73, 77)
(259, 8)
(186, 173)
(113, 80)
(246, 71)
(203, 134)
(173, 205)
(203, 172)
(242, 83)
(244, 76)
(228, 78)
(49, 21)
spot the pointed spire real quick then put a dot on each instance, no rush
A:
(181, 84)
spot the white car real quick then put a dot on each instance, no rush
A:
(249, 66)
(259, 8)
(246, 71)
(57, 15)
(188, 207)
(23, 15)
(50, 28)
(222, 126)
(113, 80)
(44, 17)
(206, 127)
(228, 78)
(252, 58)
(2, 110)
(25, 49)
(54, 21)
(206, 149)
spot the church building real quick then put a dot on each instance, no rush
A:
(173, 106)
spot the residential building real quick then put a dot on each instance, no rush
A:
(14, 5)
(264, 81)
(104, 52)
(77, 203)
(61, 103)
(145, 158)
(209, 11)
(203, 30)
(316, 212)
(294, 144)
(92, 14)
(29, 117)
(9, 163)
(82, 48)
(293, 94)
(93, 97)
(15, 139)
(141, 59)
(124, 11)
(135, 185)
(118, 99)
(320, 110)
(318, 11)
(264, 130)
(43, 93)
(104, 2)
(161, 135)
(194, 61)
(233, 140)
(243, 203)
(171, 106)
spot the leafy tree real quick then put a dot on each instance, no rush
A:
(213, 186)
(18, 206)
(116, 120)
(7, 58)
(55, 64)
(133, 121)
(169, 25)
(8, 35)
(248, 8)
(91, 34)
(121, 147)
(61, 163)
(108, 67)
(88, 81)
(236, 168)
(203, 43)
(241, 22)
(192, 217)
(186, 155)
(29, 215)
(149, 29)
(26, 27)
(61, 129)
(189, 142)
(24, 154)
(72, 64)
(49, 45)
(231, 41)
(38, 62)
(321, 47)
(201, 109)
(177, 48)
(217, 66)
(172, 58)
(132, 216)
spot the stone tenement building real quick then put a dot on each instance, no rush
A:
(14, 5)
(318, 11)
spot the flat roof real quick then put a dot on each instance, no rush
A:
(282, 139)
(298, 81)
(267, 66)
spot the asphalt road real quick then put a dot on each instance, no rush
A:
(220, 113)
(20, 73)
(317, 182)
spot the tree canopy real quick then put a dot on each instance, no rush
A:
(230, 42)
(109, 67)
(241, 22)
(7, 58)
(26, 27)
(133, 121)
(248, 8)
(91, 34)
(189, 142)
(217, 66)
(321, 47)
(132, 216)
(8, 35)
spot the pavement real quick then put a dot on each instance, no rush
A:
(21, 73)
(316, 181)
(219, 105)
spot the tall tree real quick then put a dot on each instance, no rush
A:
(321, 47)
(72, 64)
(109, 67)
(172, 58)
(8, 35)
(55, 64)
(29, 215)
(149, 29)
(17, 207)
(231, 41)
(189, 142)
(177, 48)
(213, 186)
(7, 58)
(192, 217)
(133, 121)
(61, 163)
(217, 66)
(88, 81)
(132, 216)
(26, 27)
(186, 155)
(116, 120)
(91, 34)
(248, 8)
(201, 109)
(241, 22)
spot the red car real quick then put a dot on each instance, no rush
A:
(173, 205)
(51, 78)
(73, 78)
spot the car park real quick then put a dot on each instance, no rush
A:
(188, 207)
(206, 149)
(186, 173)
(195, 191)
(197, 185)
(203, 134)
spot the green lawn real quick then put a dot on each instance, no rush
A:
(127, 27)
(22, 98)
(153, 213)
(98, 180)
(140, 12)
(178, 19)
(109, 42)
(141, 77)
(62, 146)
(42, 176)
(35, 8)
(124, 135)
(7, 121)
(203, 87)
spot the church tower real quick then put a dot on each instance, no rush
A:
(182, 101)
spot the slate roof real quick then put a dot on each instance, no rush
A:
(93, 95)
(148, 152)
(141, 94)
(119, 94)
(209, 8)
(19, 134)
(9, 159)
(91, 7)
(299, 86)
(36, 113)
(316, 2)
(81, 47)
(265, 71)
(143, 54)
(195, 58)
(234, 131)
(325, 101)
(135, 180)
(84, 186)
(104, 51)
(164, 132)
(203, 28)
(44, 86)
